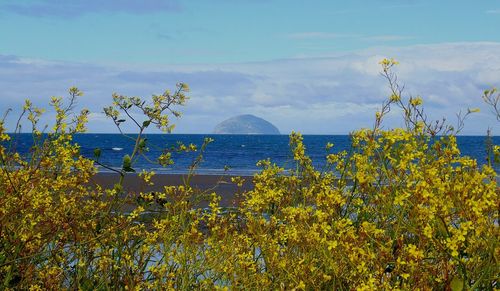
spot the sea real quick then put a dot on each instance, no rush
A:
(227, 154)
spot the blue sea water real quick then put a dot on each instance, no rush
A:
(238, 152)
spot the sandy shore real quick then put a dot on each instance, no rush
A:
(222, 185)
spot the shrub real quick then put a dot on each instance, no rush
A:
(401, 210)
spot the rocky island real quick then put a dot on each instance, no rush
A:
(245, 124)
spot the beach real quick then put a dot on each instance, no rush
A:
(220, 184)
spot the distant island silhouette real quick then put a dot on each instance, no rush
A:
(245, 124)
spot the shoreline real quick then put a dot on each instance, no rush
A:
(220, 184)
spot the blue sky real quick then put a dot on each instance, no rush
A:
(303, 65)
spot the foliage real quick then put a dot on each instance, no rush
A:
(401, 210)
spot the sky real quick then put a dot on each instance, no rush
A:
(309, 66)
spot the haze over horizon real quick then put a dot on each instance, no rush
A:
(310, 68)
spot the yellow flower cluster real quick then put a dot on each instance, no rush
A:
(402, 209)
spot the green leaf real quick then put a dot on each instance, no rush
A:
(118, 188)
(127, 164)
(97, 153)
(457, 284)
(441, 228)
(128, 169)
(146, 123)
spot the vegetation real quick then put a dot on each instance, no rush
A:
(402, 209)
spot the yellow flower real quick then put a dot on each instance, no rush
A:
(416, 101)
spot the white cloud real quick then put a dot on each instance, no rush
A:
(336, 93)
